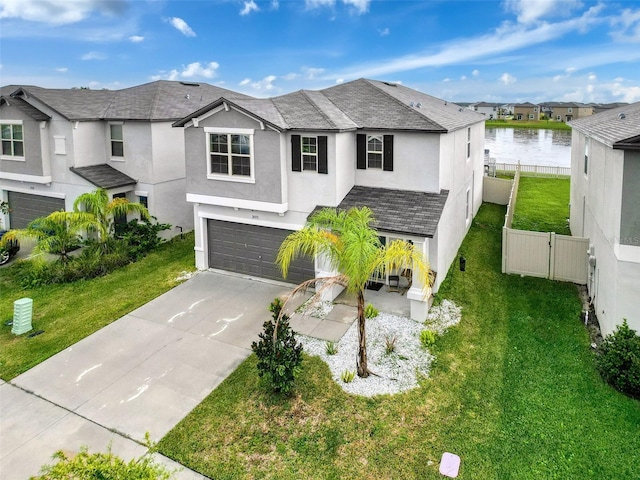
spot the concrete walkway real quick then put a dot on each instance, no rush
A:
(142, 373)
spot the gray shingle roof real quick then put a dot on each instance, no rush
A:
(27, 108)
(608, 127)
(309, 110)
(104, 176)
(399, 211)
(156, 101)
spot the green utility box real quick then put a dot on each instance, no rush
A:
(22, 314)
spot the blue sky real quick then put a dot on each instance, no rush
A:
(483, 50)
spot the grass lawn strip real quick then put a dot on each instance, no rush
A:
(68, 313)
(513, 391)
(542, 205)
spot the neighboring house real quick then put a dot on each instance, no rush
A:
(605, 195)
(568, 111)
(60, 143)
(526, 111)
(257, 168)
(603, 107)
(491, 110)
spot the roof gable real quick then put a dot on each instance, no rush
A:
(26, 107)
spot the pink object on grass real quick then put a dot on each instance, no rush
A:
(449, 465)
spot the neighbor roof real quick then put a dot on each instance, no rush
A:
(156, 101)
(398, 211)
(617, 127)
(104, 176)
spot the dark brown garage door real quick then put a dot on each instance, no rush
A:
(252, 250)
(26, 207)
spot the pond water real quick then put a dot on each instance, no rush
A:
(529, 146)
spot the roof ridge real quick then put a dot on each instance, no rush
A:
(156, 98)
(113, 98)
(406, 107)
(318, 109)
(275, 105)
(338, 108)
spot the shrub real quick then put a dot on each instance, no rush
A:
(279, 355)
(347, 376)
(90, 466)
(331, 348)
(427, 338)
(370, 311)
(619, 360)
(142, 236)
(390, 344)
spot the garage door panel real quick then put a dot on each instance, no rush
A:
(26, 207)
(252, 250)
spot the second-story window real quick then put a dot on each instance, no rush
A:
(229, 154)
(117, 140)
(12, 140)
(309, 149)
(374, 151)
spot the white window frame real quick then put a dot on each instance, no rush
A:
(308, 154)
(15, 158)
(570, 110)
(116, 158)
(468, 207)
(230, 177)
(376, 152)
(586, 157)
(468, 143)
(531, 116)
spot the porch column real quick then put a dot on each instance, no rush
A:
(200, 248)
(324, 270)
(419, 293)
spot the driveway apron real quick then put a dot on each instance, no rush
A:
(145, 371)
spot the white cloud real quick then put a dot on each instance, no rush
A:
(196, 70)
(529, 11)
(136, 39)
(311, 73)
(339, 80)
(275, 4)
(630, 94)
(463, 77)
(570, 70)
(475, 73)
(505, 39)
(446, 79)
(626, 26)
(93, 56)
(244, 82)
(592, 77)
(507, 79)
(62, 69)
(182, 26)
(59, 12)
(384, 32)
(290, 76)
(360, 6)
(249, 7)
(265, 84)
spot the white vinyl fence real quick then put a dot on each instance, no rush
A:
(534, 170)
(538, 254)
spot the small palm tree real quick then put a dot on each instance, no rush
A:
(57, 233)
(348, 240)
(106, 211)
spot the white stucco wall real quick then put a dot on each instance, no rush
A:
(415, 164)
(90, 143)
(139, 154)
(168, 152)
(614, 283)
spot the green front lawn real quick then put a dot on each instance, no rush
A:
(514, 392)
(68, 313)
(546, 124)
(542, 205)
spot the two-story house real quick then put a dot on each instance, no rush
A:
(567, 111)
(493, 111)
(605, 194)
(257, 168)
(526, 111)
(60, 143)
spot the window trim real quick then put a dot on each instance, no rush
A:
(116, 158)
(586, 157)
(230, 177)
(15, 158)
(468, 206)
(381, 152)
(303, 153)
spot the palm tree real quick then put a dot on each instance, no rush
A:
(106, 211)
(352, 246)
(58, 233)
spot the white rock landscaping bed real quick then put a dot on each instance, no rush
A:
(395, 372)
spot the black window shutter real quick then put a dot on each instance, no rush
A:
(322, 155)
(296, 154)
(361, 151)
(387, 160)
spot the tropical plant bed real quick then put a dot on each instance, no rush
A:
(513, 392)
(542, 205)
(69, 312)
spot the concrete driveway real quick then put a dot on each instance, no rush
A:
(142, 373)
